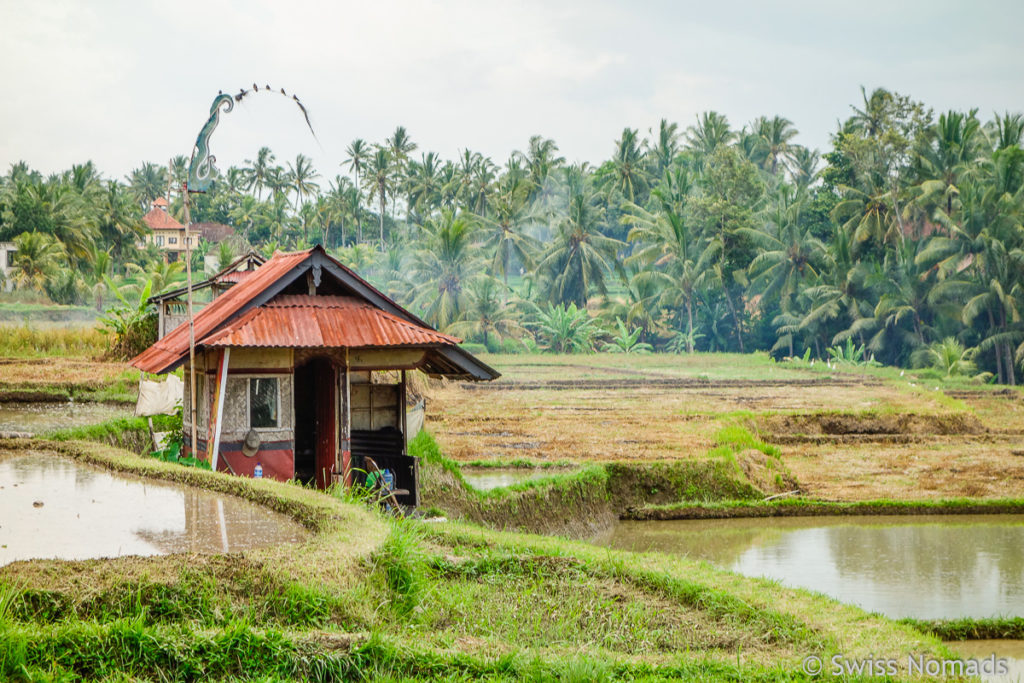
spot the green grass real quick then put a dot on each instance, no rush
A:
(131, 433)
(804, 507)
(1008, 628)
(368, 598)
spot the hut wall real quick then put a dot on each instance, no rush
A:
(276, 451)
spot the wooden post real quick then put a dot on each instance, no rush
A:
(191, 321)
(346, 424)
(401, 416)
(222, 386)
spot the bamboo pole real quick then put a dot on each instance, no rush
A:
(222, 386)
(191, 321)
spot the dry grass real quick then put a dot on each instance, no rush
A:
(602, 408)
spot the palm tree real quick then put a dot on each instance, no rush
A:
(628, 175)
(667, 250)
(424, 183)
(357, 156)
(246, 213)
(789, 256)
(663, 151)
(401, 146)
(301, 176)
(540, 160)
(36, 260)
(488, 313)
(711, 132)
(257, 173)
(775, 134)
(381, 176)
(119, 220)
(442, 267)
(148, 182)
(580, 256)
(506, 224)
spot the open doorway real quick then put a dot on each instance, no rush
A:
(315, 435)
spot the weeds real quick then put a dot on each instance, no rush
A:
(26, 341)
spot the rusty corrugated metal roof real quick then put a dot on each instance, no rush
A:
(236, 276)
(323, 321)
(172, 349)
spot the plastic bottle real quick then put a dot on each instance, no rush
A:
(258, 472)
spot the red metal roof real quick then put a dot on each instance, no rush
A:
(234, 276)
(173, 348)
(160, 219)
(323, 321)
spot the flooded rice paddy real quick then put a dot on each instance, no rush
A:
(39, 418)
(51, 507)
(1010, 651)
(928, 567)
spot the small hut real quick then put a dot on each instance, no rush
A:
(301, 368)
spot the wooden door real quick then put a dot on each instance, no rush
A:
(326, 435)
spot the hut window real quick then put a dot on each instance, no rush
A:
(263, 402)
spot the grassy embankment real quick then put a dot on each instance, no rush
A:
(369, 597)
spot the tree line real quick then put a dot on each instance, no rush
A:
(901, 244)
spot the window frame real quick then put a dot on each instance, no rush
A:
(248, 402)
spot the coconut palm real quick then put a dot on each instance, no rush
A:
(358, 153)
(488, 314)
(505, 227)
(711, 132)
(443, 268)
(380, 176)
(628, 176)
(37, 259)
(301, 175)
(663, 148)
(148, 182)
(257, 173)
(580, 256)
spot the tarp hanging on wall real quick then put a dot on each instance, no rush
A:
(160, 398)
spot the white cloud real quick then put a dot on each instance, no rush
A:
(121, 82)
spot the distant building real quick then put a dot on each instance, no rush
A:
(166, 232)
(7, 252)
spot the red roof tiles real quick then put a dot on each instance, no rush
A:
(323, 321)
(159, 219)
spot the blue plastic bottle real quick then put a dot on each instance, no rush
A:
(258, 472)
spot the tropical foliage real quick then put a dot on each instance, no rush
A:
(900, 244)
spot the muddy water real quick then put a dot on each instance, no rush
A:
(1011, 652)
(56, 508)
(37, 418)
(488, 478)
(934, 567)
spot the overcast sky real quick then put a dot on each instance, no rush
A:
(122, 82)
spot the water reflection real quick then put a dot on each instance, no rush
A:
(925, 567)
(37, 418)
(1011, 651)
(56, 508)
